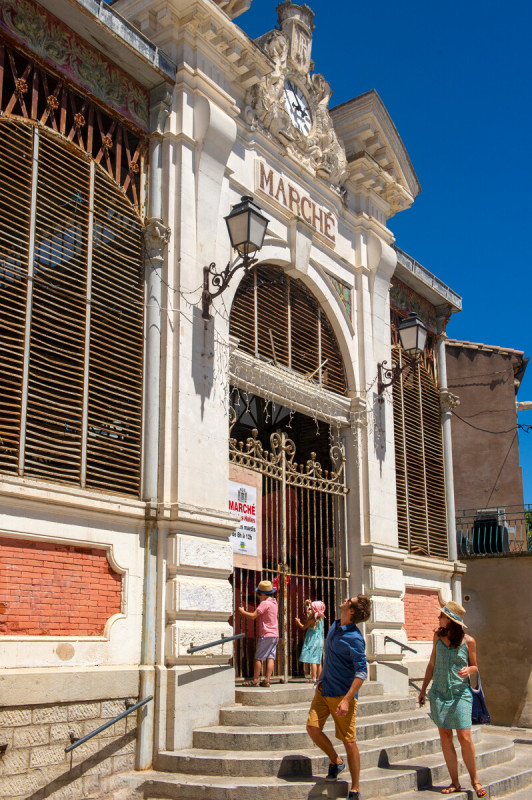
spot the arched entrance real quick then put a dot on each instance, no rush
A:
(297, 460)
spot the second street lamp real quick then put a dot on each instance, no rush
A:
(413, 336)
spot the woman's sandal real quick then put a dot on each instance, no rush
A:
(266, 684)
(250, 683)
(452, 789)
(480, 792)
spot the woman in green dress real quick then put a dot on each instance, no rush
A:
(453, 660)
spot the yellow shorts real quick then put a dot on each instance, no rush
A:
(321, 707)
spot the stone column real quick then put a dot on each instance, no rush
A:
(448, 401)
(156, 237)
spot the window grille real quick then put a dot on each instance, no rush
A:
(276, 318)
(71, 315)
(420, 484)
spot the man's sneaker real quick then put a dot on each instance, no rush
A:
(354, 796)
(334, 771)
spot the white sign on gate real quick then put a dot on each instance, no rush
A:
(245, 499)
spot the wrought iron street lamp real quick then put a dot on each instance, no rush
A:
(246, 225)
(413, 336)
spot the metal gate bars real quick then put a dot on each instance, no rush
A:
(303, 542)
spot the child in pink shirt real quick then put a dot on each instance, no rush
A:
(268, 632)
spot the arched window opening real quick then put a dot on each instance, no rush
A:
(277, 319)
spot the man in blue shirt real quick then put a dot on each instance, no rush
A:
(344, 671)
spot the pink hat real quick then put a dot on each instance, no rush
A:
(318, 607)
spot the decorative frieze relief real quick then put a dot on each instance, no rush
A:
(405, 299)
(50, 39)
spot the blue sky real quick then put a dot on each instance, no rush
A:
(456, 80)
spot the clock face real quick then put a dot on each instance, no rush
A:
(298, 107)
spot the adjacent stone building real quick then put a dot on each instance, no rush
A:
(155, 464)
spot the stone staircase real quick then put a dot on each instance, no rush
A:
(261, 749)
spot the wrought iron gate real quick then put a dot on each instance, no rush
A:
(303, 542)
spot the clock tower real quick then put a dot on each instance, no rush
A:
(291, 104)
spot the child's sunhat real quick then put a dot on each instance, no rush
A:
(265, 587)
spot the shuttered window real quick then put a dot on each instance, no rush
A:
(419, 461)
(276, 318)
(71, 316)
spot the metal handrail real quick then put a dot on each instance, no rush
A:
(401, 644)
(86, 738)
(218, 641)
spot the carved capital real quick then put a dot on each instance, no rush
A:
(448, 400)
(160, 107)
(156, 237)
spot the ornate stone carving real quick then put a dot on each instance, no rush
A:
(156, 237)
(290, 50)
(448, 400)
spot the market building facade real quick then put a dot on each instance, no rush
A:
(157, 460)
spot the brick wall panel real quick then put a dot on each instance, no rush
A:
(422, 607)
(56, 590)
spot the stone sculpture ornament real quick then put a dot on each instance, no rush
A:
(292, 105)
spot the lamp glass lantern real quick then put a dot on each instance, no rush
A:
(413, 334)
(247, 227)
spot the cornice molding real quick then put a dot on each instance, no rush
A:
(377, 158)
(207, 26)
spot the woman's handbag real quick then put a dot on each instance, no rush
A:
(479, 714)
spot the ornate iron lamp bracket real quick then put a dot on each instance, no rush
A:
(390, 374)
(220, 280)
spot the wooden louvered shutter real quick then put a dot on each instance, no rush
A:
(419, 463)
(58, 310)
(16, 146)
(272, 315)
(71, 316)
(116, 329)
(242, 324)
(435, 478)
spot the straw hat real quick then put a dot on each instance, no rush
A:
(265, 587)
(455, 612)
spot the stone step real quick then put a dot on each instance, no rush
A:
(429, 769)
(290, 693)
(303, 763)
(296, 714)
(295, 737)
(511, 780)
(398, 780)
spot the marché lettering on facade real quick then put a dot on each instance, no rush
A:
(278, 188)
